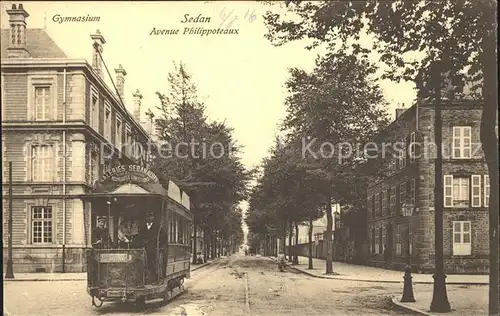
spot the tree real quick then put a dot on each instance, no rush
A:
(461, 34)
(335, 109)
(201, 157)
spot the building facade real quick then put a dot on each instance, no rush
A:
(62, 127)
(410, 180)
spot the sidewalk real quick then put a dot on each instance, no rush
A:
(71, 276)
(346, 271)
(464, 300)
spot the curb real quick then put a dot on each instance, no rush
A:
(333, 277)
(85, 278)
(395, 302)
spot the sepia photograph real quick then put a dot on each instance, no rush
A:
(248, 158)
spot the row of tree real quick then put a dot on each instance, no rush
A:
(202, 157)
(457, 38)
(314, 165)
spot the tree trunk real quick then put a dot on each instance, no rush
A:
(489, 141)
(310, 267)
(328, 237)
(283, 240)
(290, 247)
(296, 247)
(213, 244)
(206, 237)
(195, 239)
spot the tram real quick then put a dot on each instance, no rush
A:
(133, 260)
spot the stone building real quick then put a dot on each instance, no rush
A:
(62, 127)
(410, 180)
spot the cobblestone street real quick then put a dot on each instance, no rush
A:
(220, 289)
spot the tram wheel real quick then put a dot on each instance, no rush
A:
(167, 296)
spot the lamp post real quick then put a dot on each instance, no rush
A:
(408, 286)
(440, 301)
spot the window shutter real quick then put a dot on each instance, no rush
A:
(457, 237)
(466, 238)
(476, 190)
(467, 145)
(448, 190)
(486, 190)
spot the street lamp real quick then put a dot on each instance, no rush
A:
(407, 210)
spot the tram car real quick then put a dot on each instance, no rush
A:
(141, 231)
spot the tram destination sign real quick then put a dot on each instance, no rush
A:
(127, 173)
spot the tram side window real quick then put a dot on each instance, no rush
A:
(170, 228)
(180, 233)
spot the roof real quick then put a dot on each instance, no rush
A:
(38, 43)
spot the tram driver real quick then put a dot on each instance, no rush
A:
(149, 236)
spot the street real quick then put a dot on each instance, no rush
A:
(220, 289)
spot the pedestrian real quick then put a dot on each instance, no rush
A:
(100, 235)
(149, 235)
(128, 233)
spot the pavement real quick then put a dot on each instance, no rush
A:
(82, 276)
(467, 294)
(353, 272)
(236, 286)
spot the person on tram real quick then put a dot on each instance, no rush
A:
(100, 234)
(128, 233)
(149, 236)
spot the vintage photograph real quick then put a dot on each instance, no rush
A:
(228, 158)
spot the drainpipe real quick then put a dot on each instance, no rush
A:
(64, 174)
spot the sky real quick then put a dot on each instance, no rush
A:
(239, 76)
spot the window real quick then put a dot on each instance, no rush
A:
(412, 192)
(412, 147)
(94, 111)
(42, 162)
(41, 224)
(392, 202)
(402, 194)
(118, 132)
(398, 240)
(94, 167)
(381, 240)
(369, 207)
(373, 241)
(107, 122)
(476, 190)
(402, 156)
(458, 191)
(486, 190)
(377, 204)
(384, 202)
(461, 238)
(461, 145)
(107, 165)
(129, 141)
(43, 104)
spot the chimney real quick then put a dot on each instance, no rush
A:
(400, 110)
(96, 49)
(137, 106)
(120, 81)
(17, 42)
